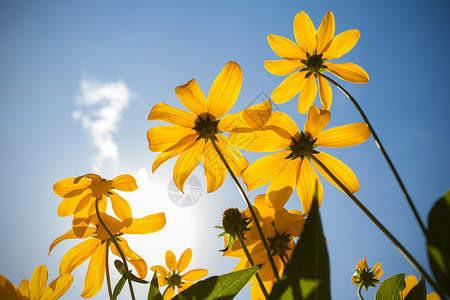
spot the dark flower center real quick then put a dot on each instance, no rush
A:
(314, 63)
(206, 126)
(279, 243)
(303, 147)
(174, 280)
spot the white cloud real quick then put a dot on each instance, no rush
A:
(99, 108)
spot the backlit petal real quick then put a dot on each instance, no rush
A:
(9, 290)
(341, 44)
(82, 218)
(307, 95)
(58, 287)
(225, 90)
(411, 281)
(344, 136)
(266, 212)
(283, 125)
(23, 289)
(161, 271)
(67, 188)
(165, 156)
(282, 186)
(325, 93)
(77, 255)
(149, 224)
(215, 171)
(138, 262)
(169, 292)
(305, 33)
(317, 120)
(172, 115)
(187, 162)
(192, 97)
(95, 273)
(289, 223)
(288, 88)
(185, 285)
(260, 141)
(110, 222)
(171, 261)
(349, 72)
(185, 260)
(285, 48)
(264, 169)
(169, 138)
(249, 119)
(121, 208)
(325, 33)
(125, 183)
(194, 275)
(343, 173)
(38, 281)
(68, 206)
(71, 235)
(282, 67)
(306, 186)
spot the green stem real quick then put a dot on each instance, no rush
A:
(381, 227)
(383, 151)
(108, 279)
(250, 207)
(252, 263)
(113, 239)
(359, 291)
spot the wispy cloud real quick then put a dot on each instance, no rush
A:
(99, 108)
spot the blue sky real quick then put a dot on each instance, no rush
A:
(57, 56)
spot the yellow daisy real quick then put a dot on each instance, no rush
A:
(172, 277)
(411, 281)
(190, 137)
(80, 193)
(36, 288)
(310, 56)
(279, 227)
(95, 246)
(291, 167)
(365, 276)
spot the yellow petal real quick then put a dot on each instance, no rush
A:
(225, 90)
(77, 255)
(172, 115)
(121, 208)
(285, 48)
(264, 169)
(169, 293)
(111, 223)
(325, 93)
(169, 138)
(266, 212)
(411, 281)
(161, 271)
(289, 223)
(282, 186)
(215, 171)
(306, 185)
(83, 217)
(325, 33)
(307, 95)
(165, 156)
(344, 136)
(260, 141)
(58, 287)
(69, 206)
(343, 173)
(185, 260)
(23, 289)
(249, 119)
(9, 290)
(282, 124)
(317, 120)
(67, 188)
(185, 285)
(38, 281)
(149, 224)
(171, 261)
(282, 67)
(192, 97)
(138, 262)
(433, 296)
(125, 183)
(71, 235)
(341, 44)
(95, 273)
(288, 88)
(194, 275)
(305, 33)
(187, 162)
(349, 72)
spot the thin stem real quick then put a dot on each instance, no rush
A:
(252, 263)
(283, 260)
(383, 151)
(359, 291)
(381, 227)
(108, 279)
(113, 239)
(250, 207)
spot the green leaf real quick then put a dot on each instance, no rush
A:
(307, 276)
(221, 287)
(153, 291)
(119, 286)
(121, 269)
(391, 287)
(419, 292)
(438, 241)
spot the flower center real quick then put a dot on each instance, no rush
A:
(206, 126)
(303, 147)
(174, 280)
(313, 64)
(279, 244)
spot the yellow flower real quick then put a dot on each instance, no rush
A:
(363, 275)
(279, 228)
(310, 55)
(291, 167)
(411, 281)
(190, 136)
(36, 288)
(95, 246)
(80, 193)
(172, 277)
